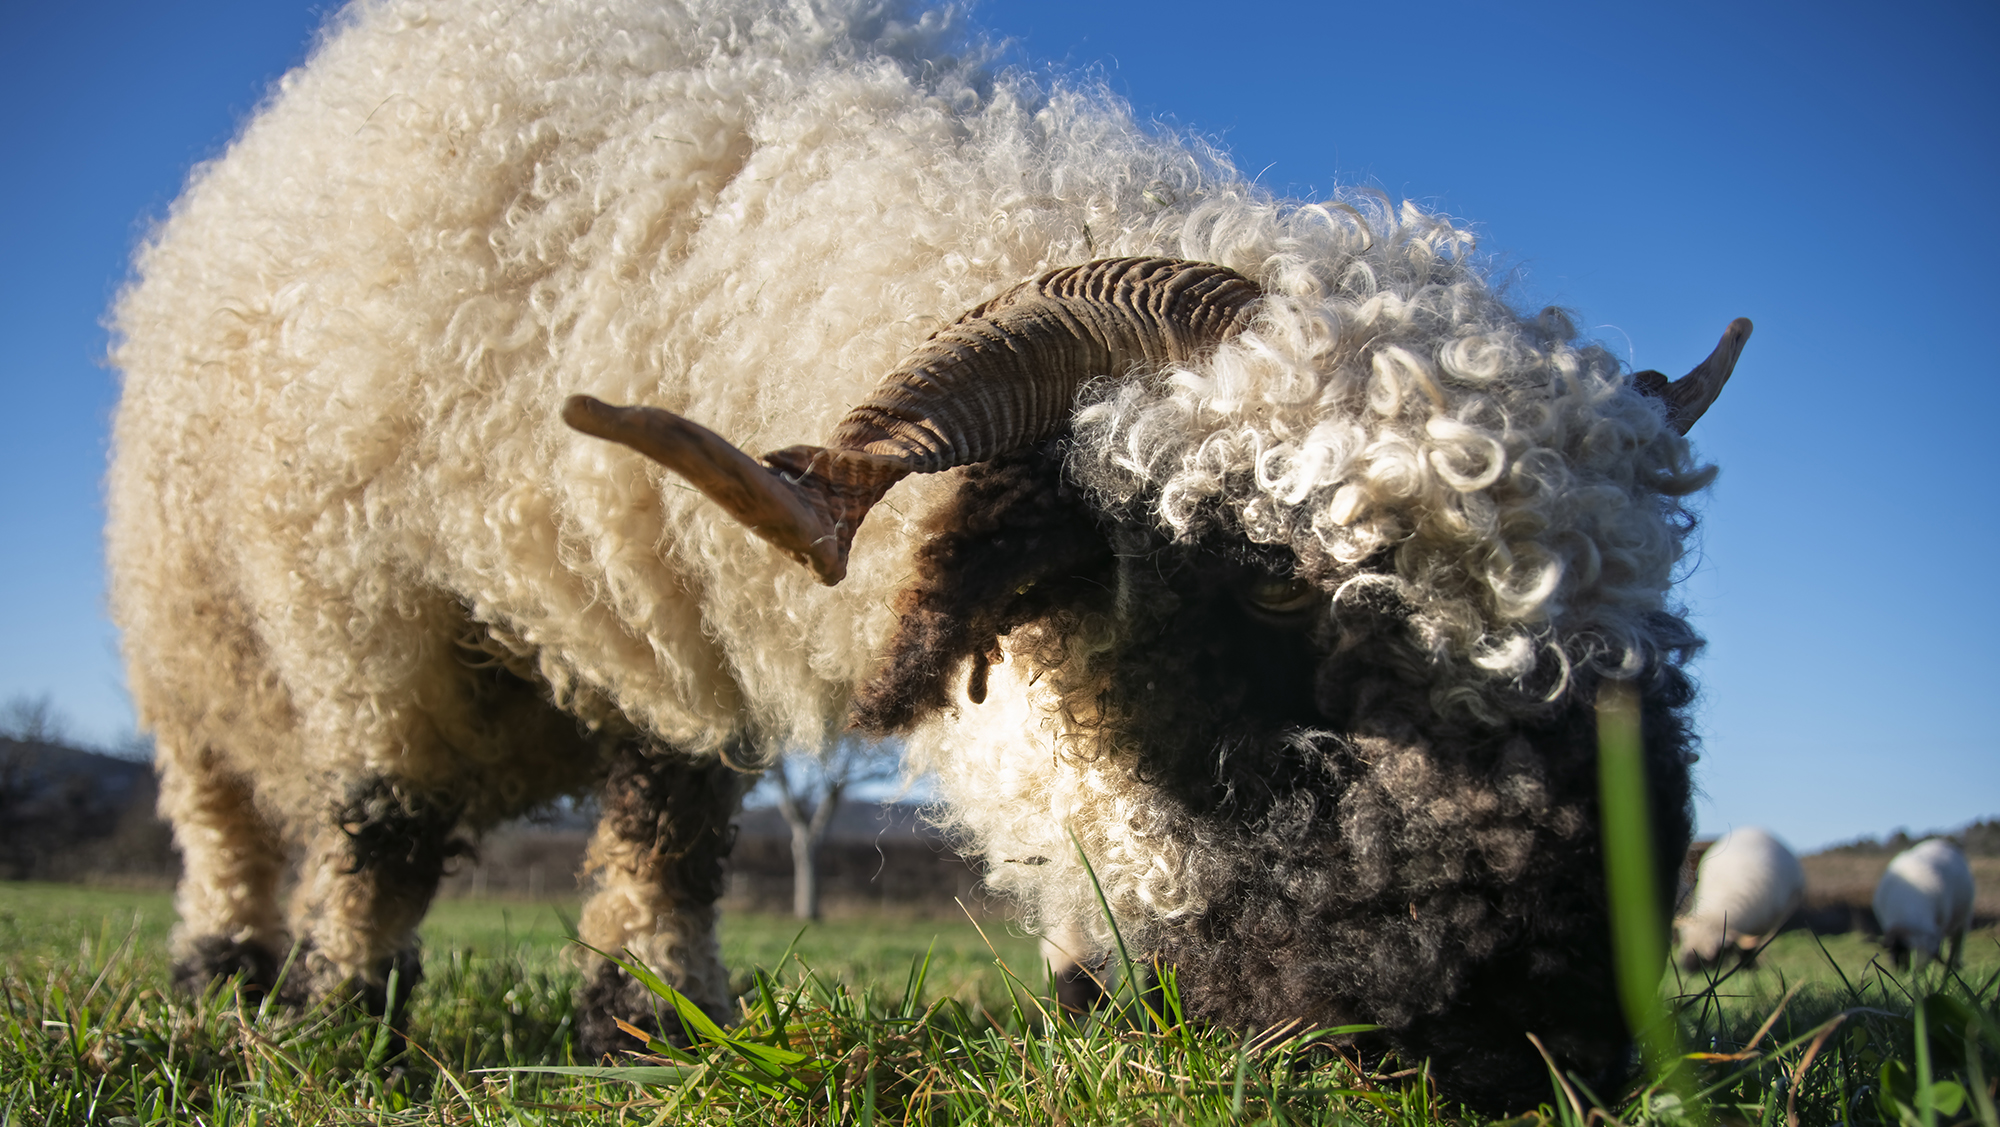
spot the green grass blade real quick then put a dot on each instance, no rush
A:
(647, 1074)
(913, 991)
(1638, 935)
(1975, 1068)
(1926, 1099)
(767, 1001)
(1242, 1068)
(1130, 969)
(384, 1032)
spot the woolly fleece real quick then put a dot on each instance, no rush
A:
(350, 539)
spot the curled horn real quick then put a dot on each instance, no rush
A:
(1002, 377)
(1686, 398)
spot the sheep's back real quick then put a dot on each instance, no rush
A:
(1747, 881)
(345, 349)
(1927, 888)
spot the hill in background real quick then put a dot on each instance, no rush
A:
(67, 814)
(72, 815)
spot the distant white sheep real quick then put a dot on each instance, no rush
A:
(1748, 885)
(1924, 898)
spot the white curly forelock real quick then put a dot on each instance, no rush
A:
(1386, 399)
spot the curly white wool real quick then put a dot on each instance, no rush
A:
(349, 341)
(1013, 795)
(1387, 399)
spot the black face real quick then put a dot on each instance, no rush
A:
(1193, 646)
(1213, 672)
(1366, 858)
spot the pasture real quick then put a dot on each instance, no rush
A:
(895, 1021)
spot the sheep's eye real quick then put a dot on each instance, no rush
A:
(1282, 597)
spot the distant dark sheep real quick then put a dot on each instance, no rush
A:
(1255, 548)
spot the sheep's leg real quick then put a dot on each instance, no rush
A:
(1080, 973)
(369, 877)
(1076, 971)
(658, 854)
(231, 858)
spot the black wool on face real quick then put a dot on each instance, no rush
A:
(1447, 884)
(1365, 859)
(1016, 544)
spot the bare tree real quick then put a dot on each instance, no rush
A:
(33, 719)
(809, 789)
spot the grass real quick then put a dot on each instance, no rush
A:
(1821, 1030)
(897, 1021)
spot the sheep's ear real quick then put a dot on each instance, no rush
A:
(1688, 397)
(1010, 545)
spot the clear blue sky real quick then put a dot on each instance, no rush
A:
(1828, 170)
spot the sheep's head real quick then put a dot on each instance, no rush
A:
(997, 387)
(1701, 941)
(1912, 947)
(1349, 633)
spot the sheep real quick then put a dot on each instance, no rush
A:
(1254, 555)
(1924, 898)
(1747, 886)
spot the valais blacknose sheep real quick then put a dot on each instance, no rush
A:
(1256, 550)
(1747, 886)
(1923, 899)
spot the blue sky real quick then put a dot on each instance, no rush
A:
(1828, 170)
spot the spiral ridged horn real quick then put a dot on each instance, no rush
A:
(1003, 377)
(1688, 397)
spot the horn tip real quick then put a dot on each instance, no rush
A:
(587, 414)
(829, 573)
(827, 558)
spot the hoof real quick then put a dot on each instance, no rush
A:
(371, 995)
(1077, 991)
(213, 959)
(407, 968)
(611, 996)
